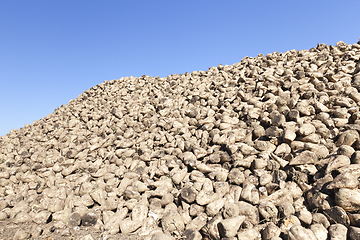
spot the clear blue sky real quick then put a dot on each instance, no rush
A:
(52, 51)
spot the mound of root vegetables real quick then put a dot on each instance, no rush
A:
(267, 148)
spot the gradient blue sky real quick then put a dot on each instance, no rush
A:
(52, 51)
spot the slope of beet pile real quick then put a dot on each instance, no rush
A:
(267, 148)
